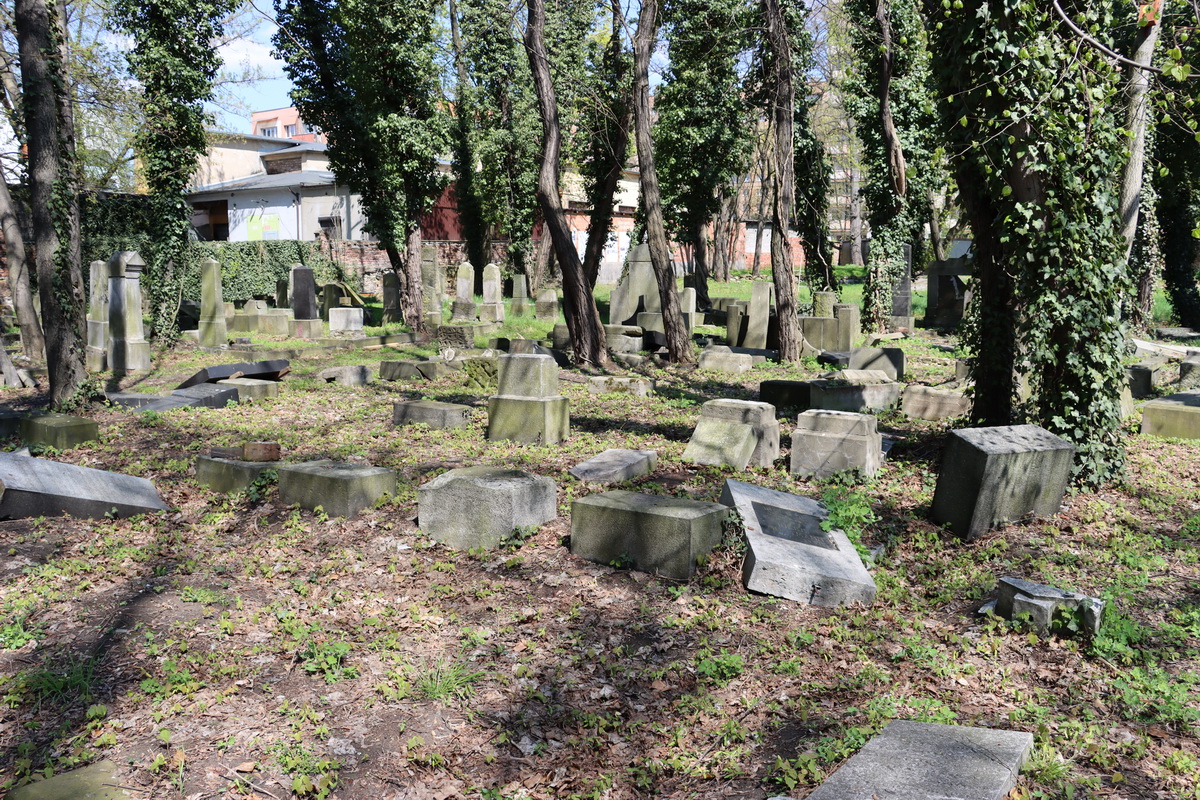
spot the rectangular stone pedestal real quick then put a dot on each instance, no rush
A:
(431, 413)
(60, 431)
(1176, 416)
(528, 420)
(342, 490)
(227, 475)
(827, 442)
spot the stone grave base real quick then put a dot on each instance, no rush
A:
(528, 420)
(482, 506)
(430, 412)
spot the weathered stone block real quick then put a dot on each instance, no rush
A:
(841, 396)
(528, 420)
(788, 553)
(1143, 377)
(662, 535)
(785, 394)
(820, 332)
(61, 431)
(1189, 374)
(308, 328)
(606, 384)
(1000, 474)
(927, 761)
(719, 441)
(760, 416)
(482, 373)
(345, 319)
(528, 376)
(616, 466)
(827, 442)
(926, 402)
(354, 375)
(208, 395)
(482, 506)
(342, 490)
(431, 413)
(726, 361)
(1176, 416)
(416, 370)
(624, 344)
(888, 359)
(252, 389)
(459, 337)
(1016, 598)
(227, 475)
(36, 487)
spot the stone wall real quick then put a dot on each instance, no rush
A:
(367, 261)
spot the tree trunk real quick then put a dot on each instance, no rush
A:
(407, 267)
(579, 306)
(679, 345)
(897, 168)
(783, 188)
(856, 234)
(467, 199)
(32, 340)
(762, 210)
(1136, 120)
(701, 273)
(935, 229)
(51, 144)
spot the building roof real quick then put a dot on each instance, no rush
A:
(282, 180)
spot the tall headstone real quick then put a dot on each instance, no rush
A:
(464, 308)
(97, 319)
(546, 306)
(391, 298)
(212, 306)
(433, 281)
(281, 293)
(128, 349)
(492, 309)
(528, 407)
(520, 296)
(758, 318)
(637, 290)
(307, 323)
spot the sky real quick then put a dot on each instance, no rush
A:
(270, 93)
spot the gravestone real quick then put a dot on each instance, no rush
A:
(406, 369)
(464, 308)
(546, 306)
(35, 487)
(616, 466)
(264, 370)
(97, 318)
(735, 323)
(785, 394)
(342, 490)
(252, 389)
(433, 281)
(1189, 374)
(928, 402)
(304, 294)
(1040, 604)
(1176, 416)
(887, 359)
(456, 337)
(212, 305)
(857, 395)
(788, 553)
(825, 443)
(226, 475)
(482, 506)
(348, 320)
(1000, 474)
(902, 314)
(849, 326)
(736, 433)
(661, 535)
(282, 293)
(758, 317)
(391, 298)
(527, 407)
(60, 431)
(492, 308)
(929, 761)
(430, 412)
(822, 333)
(687, 306)
(355, 375)
(947, 293)
(208, 395)
(637, 290)
(725, 360)
(128, 349)
(519, 305)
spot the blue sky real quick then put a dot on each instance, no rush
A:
(254, 51)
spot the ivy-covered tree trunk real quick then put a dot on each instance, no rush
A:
(579, 307)
(470, 213)
(1178, 215)
(1036, 142)
(33, 343)
(53, 197)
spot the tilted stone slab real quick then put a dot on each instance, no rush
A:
(208, 395)
(35, 487)
(1176, 416)
(355, 375)
(228, 475)
(251, 389)
(433, 413)
(887, 359)
(61, 431)
(1000, 474)
(1039, 603)
(341, 489)
(616, 466)
(927, 402)
(859, 376)
(927, 761)
(606, 384)
(760, 416)
(482, 506)
(661, 535)
(788, 553)
(131, 399)
(719, 441)
(263, 370)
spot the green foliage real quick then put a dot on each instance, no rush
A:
(328, 659)
(850, 511)
(719, 668)
(447, 680)
(174, 59)
(1036, 145)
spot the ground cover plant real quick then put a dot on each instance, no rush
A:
(236, 647)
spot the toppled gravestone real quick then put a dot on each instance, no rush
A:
(789, 555)
(735, 432)
(261, 370)
(352, 375)
(616, 466)
(928, 761)
(1046, 607)
(35, 487)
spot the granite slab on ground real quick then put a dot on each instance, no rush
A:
(263, 370)
(35, 487)
(616, 466)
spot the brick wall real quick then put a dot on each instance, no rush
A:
(367, 261)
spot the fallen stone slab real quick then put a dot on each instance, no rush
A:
(928, 402)
(928, 761)
(263, 370)
(662, 535)
(61, 431)
(614, 384)
(482, 506)
(1046, 607)
(1000, 474)
(616, 466)
(227, 475)
(430, 370)
(132, 399)
(94, 782)
(35, 487)
(433, 413)
(858, 376)
(790, 556)
(341, 489)
(834, 358)
(346, 376)
(1175, 416)
(721, 441)
(252, 389)
(208, 395)
(887, 359)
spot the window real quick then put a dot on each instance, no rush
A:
(271, 131)
(289, 130)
